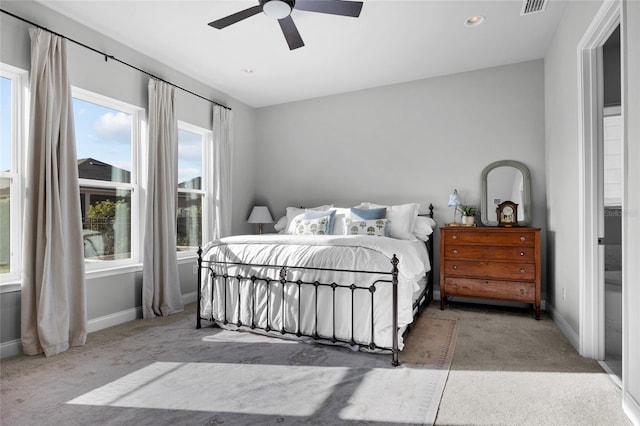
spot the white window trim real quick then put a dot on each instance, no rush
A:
(207, 183)
(103, 268)
(19, 135)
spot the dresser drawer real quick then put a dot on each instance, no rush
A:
(490, 269)
(457, 251)
(500, 290)
(523, 238)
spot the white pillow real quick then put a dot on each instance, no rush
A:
(402, 218)
(281, 224)
(292, 212)
(375, 227)
(338, 223)
(317, 226)
(423, 227)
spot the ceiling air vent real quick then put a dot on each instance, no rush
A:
(533, 6)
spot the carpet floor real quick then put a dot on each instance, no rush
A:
(510, 369)
(165, 372)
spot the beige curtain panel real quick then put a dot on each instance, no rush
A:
(53, 289)
(223, 158)
(161, 294)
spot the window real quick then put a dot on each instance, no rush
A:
(193, 143)
(12, 123)
(613, 156)
(107, 143)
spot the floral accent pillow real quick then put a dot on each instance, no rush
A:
(318, 226)
(375, 227)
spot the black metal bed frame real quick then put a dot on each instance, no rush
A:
(418, 306)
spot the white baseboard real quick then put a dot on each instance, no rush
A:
(566, 329)
(189, 297)
(121, 317)
(631, 408)
(14, 347)
(10, 348)
(116, 318)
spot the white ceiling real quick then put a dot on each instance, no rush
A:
(392, 41)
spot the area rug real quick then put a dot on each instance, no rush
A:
(174, 374)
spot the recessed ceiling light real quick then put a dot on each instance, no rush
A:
(474, 21)
(248, 71)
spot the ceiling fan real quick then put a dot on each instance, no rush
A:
(281, 10)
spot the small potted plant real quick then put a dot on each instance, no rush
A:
(468, 214)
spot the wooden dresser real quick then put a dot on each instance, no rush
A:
(491, 263)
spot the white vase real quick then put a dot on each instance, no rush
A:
(468, 220)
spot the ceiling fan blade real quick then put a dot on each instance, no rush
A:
(291, 33)
(236, 17)
(332, 7)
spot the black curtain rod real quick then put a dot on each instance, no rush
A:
(113, 58)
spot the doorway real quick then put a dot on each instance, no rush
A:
(594, 217)
(611, 174)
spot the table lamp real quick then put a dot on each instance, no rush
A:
(454, 201)
(260, 215)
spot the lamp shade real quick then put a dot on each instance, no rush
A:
(454, 200)
(260, 214)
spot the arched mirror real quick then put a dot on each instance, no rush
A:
(506, 180)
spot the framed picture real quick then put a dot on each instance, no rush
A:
(507, 213)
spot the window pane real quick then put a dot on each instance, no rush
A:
(5, 124)
(613, 164)
(189, 160)
(5, 183)
(103, 142)
(106, 223)
(189, 220)
(5, 226)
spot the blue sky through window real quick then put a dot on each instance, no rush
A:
(5, 124)
(103, 134)
(189, 155)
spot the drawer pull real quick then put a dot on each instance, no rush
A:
(454, 237)
(454, 251)
(455, 267)
(522, 291)
(521, 253)
(522, 271)
(523, 238)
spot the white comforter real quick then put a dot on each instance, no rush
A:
(331, 251)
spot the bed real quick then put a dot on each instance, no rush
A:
(358, 281)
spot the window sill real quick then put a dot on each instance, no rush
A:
(14, 285)
(10, 287)
(113, 270)
(186, 255)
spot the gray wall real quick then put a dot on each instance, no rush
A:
(411, 142)
(563, 160)
(115, 294)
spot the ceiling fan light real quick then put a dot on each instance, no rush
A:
(276, 9)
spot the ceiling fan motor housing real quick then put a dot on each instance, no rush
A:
(277, 9)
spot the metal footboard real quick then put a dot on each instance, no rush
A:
(268, 283)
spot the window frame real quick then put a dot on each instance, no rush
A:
(11, 281)
(104, 267)
(206, 189)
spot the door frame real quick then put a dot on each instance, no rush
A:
(590, 114)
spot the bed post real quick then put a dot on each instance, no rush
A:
(199, 285)
(394, 275)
